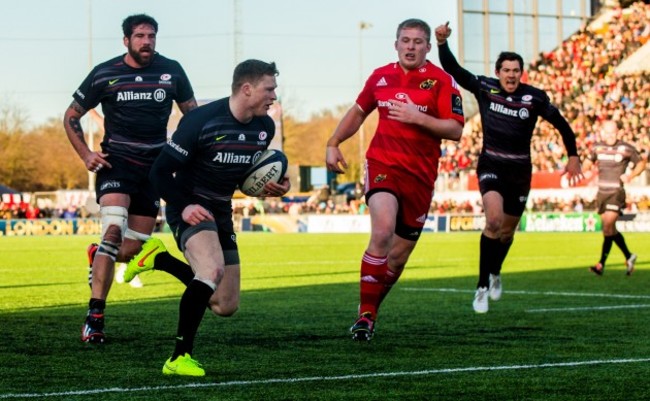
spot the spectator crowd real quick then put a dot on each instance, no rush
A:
(580, 78)
(29, 211)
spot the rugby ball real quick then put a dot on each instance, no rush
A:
(271, 165)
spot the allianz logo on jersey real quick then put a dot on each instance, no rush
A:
(158, 95)
(501, 109)
(232, 158)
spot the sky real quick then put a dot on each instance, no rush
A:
(49, 46)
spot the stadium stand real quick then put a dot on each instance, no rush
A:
(602, 71)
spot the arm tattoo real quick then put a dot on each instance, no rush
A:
(75, 124)
(77, 107)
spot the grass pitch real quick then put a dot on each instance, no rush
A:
(558, 333)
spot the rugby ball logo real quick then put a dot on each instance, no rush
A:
(271, 165)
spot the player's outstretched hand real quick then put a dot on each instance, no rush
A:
(573, 171)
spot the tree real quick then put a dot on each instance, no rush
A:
(15, 160)
(60, 168)
(305, 141)
(39, 159)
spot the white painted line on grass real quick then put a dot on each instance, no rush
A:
(553, 293)
(590, 308)
(325, 378)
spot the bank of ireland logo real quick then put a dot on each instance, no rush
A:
(159, 95)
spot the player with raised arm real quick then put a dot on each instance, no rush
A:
(509, 111)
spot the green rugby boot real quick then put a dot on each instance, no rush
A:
(144, 260)
(184, 365)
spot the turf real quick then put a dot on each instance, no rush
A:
(558, 333)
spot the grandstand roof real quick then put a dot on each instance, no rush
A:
(639, 61)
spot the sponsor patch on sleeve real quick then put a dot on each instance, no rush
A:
(456, 104)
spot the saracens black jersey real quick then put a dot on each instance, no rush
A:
(210, 152)
(612, 163)
(136, 103)
(508, 118)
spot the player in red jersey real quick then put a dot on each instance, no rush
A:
(419, 105)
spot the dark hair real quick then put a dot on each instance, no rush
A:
(509, 56)
(251, 71)
(415, 23)
(132, 21)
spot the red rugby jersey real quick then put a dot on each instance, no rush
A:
(408, 146)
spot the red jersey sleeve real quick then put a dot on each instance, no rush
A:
(366, 99)
(450, 102)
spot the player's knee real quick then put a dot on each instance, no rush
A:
(507, 236)
(493, 224)
(225, 308)
(397, 259)
(113, 222)
(229, 310)
(381, 238)
(609, 231)
(216, 275)
(111, 242)
(113, 234)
